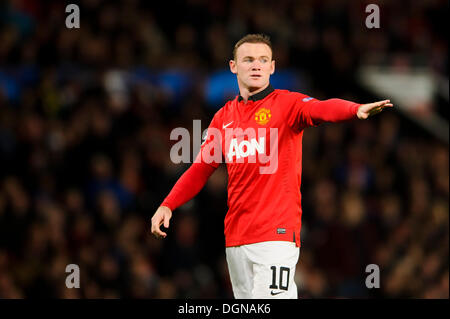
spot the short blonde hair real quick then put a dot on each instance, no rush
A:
(252, 38)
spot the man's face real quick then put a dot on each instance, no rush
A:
(253, 65)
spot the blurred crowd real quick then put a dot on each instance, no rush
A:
(85, 148)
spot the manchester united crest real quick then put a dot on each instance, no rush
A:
(262, 117)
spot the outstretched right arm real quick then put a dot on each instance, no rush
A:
(191, 182)
(189, 185)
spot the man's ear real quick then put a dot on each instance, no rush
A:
(233, 68)
(272, 67)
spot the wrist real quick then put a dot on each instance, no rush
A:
(167, 205)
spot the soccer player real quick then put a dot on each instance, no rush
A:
(262, 225)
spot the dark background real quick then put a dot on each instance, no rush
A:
(85, 120)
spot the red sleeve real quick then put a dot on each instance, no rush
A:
(333, 110)
(205, 163)
(308, 111)
(188, 185)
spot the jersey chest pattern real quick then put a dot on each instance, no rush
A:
(249, 132)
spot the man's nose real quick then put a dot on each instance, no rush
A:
(256, 66)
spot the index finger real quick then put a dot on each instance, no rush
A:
(381, 103)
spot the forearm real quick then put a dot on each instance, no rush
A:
(188, 185)
(334, 110)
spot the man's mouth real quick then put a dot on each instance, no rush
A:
(255, 76)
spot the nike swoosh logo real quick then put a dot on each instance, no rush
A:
(275, 293)
(225, 126)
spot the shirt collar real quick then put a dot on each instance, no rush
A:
(260, 95)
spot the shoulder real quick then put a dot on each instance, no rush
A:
(290, 95)
(228, 108)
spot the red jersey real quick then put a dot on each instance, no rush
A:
(261, 143)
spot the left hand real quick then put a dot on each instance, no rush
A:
(370, 109)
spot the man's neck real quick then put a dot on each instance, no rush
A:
(245, 92)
